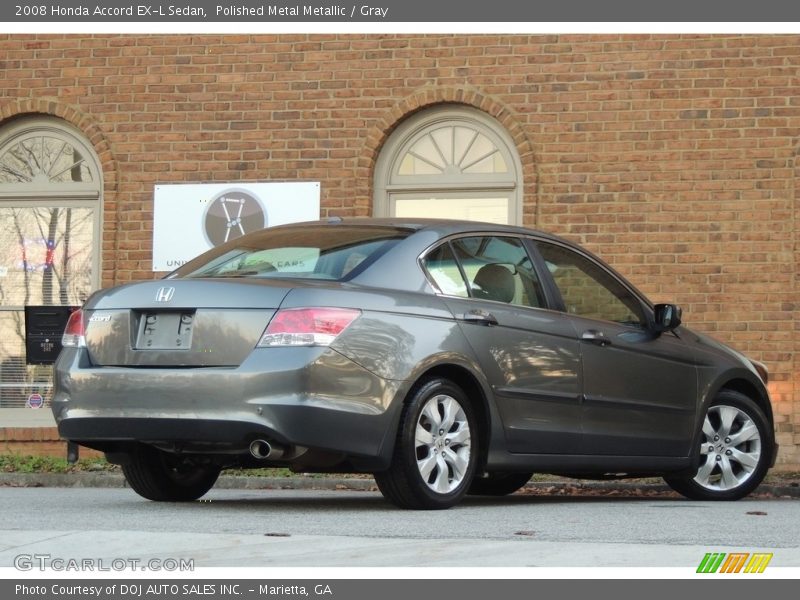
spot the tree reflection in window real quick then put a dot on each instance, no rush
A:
(50, 187)
(43, 159)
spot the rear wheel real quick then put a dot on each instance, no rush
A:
(498, 484)
(736, 446)
(167, 477)
(436, 449)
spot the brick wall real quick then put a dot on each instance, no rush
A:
(37, 441)
(675, 157)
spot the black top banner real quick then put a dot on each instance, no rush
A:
(395, 11)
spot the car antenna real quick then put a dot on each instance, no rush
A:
(334, 219)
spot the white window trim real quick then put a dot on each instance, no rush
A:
(387, 188)
(57, 194)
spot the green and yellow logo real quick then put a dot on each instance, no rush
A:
(735, 562)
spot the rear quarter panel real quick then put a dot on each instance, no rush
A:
(397, 331)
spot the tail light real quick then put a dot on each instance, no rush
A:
(307, 326)
(75, 331)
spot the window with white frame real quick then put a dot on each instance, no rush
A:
(449, 162)
(50, 205)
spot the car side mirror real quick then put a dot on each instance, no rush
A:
(666, 317)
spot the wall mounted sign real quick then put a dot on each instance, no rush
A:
(35, 401)
(189, 219)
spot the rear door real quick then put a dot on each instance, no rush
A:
(528, 353)
(639, 388)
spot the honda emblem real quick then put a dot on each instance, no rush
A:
(165, 294)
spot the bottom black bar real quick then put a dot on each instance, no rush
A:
(389, 589)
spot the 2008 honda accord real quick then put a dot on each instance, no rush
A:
(446, 358)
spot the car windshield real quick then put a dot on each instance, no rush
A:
(335, 253)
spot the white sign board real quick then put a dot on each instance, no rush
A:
(190, 219)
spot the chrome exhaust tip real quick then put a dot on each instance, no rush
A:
(260, 449)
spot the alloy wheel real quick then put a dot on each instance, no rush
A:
(731, 448)
(442, 444)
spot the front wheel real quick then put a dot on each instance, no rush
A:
(166, 477)
(436, 449)
(736, 445)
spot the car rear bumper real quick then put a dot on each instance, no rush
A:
(296, 397)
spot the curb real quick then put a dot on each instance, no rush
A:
(300, 482)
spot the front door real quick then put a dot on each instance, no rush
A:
(639, 388)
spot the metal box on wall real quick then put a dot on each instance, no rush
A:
(44, 326)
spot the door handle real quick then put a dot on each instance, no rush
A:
(479, 317)
(596, 337)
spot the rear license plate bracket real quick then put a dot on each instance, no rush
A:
(165, 331)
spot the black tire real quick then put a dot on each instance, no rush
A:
(166, 477)
(707, 482)
(403, 483)
(498, 484)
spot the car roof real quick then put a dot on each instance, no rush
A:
(442, 227)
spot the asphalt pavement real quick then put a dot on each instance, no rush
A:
(346, 527)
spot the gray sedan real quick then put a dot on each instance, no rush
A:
(446, 358)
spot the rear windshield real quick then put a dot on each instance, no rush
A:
(335, 253)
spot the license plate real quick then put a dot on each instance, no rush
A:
(165, 331)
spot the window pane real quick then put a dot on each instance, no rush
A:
(426, 150)
(452, 149)
(44, 159)
(444, 141)
(45, 255)
(47, 246)
(499, 269)
(490, 210)
(45, 259)
(588, 290)
(480, 149)
(442, 267)
(17, 379)
(462, 138)
(493, 163)
(414, 165)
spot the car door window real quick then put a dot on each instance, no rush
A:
(498, 268)
(443, 269)
(588, 290)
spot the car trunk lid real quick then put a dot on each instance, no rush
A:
(180, 323)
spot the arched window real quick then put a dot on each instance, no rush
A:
(50, 205)
(452, 162)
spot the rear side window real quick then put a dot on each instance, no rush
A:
(496, 268)
(443, 269)
(335, 253)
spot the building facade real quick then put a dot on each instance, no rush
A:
(673, 157)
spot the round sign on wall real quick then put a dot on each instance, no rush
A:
(231, 214)
(35, 401)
